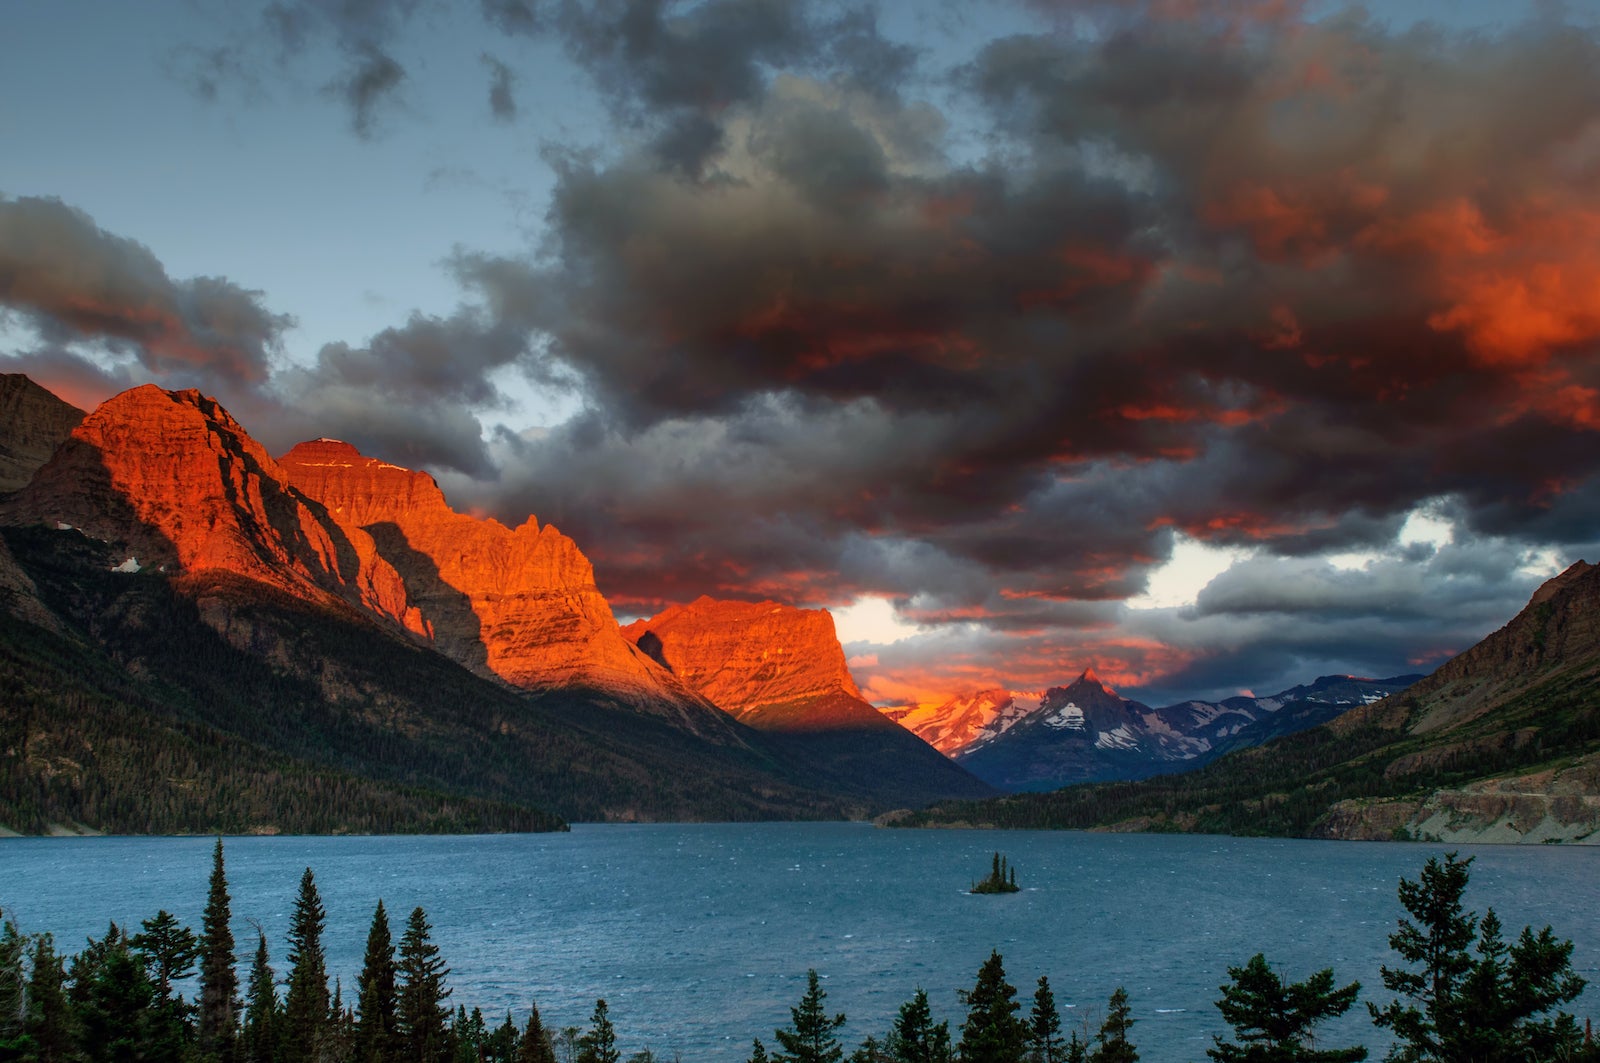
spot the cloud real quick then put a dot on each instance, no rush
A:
(502, 88)
(1207, 270)
(72, 282)
(1268, 282)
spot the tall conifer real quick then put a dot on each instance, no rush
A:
(1044, 1025)
(535, 1046)
(599, 1043)
(1112, 1044)
(810, 1037)
(422, 1018)
(992, 1032)
(305, 1006)
(375, 1038)
(258, 1042)
(219, 982)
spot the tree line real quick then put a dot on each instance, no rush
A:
(1463, 993)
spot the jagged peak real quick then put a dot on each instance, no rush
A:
(1090, 678)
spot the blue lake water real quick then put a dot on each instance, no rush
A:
(699, 936)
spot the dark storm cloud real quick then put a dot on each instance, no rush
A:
(410, 393)
(674, 69)
(1264, 282)
(72, 281)
(502, 89)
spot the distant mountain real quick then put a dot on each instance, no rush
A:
(36, 424)
(1501, 744)
(966, 720)
(781, 670)
(1086, 732)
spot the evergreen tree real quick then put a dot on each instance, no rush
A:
(421, 1016)
(258, 1040)
(1487, 1008)
(468, 1034)
(219, 983)
(1273, 1021)
(1111, 1043)
(1044, 1025)
(168, 951)
(304, 1025)
(49, 1021)
(1077, 1049)
(810, 1035)
(599, 1044)
(339, 1041)
(535, 1046)
(915, 1038)
(871, 1051)
(113, 997)
(501, 1047)
(758, 1051)
(375, 1038)
(992, 1032)
(14, 1040)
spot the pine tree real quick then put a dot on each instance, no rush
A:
(421, 1017)
(758, 1051)
(375, 1038)
(501, 1046)
(168, 952)
(258, 1040)
(14, 1041)
(219, 982)
(1273, 1021)
(872, 1050)
(1044, 1025)
(810, 1035)
(468, 1035)
(112, 997)
(915, 1038)
(1491, 1007)
(992, 1032)
(599, 1043)
(535, 1046)
(305, 1006)
(1111, 1043)
(49, 1021)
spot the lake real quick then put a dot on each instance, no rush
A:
(699, 936)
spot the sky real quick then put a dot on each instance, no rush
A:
(1216, 346)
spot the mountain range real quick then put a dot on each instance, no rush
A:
(197, 636)
(1500, 744)
(333, 610)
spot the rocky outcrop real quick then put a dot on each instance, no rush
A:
(19, 596)
(1554, 805)
(748, 657)
(517, 603)
(174, 482)
(33, 423)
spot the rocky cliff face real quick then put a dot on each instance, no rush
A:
(747, 657)
(782, 671)
(518, 603)
(174, 481)
(33, 423)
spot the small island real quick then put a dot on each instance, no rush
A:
(1002, 879)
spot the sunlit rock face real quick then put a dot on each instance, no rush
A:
(174, 481)
(33, 423)
(749, 658)
(518, 603)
